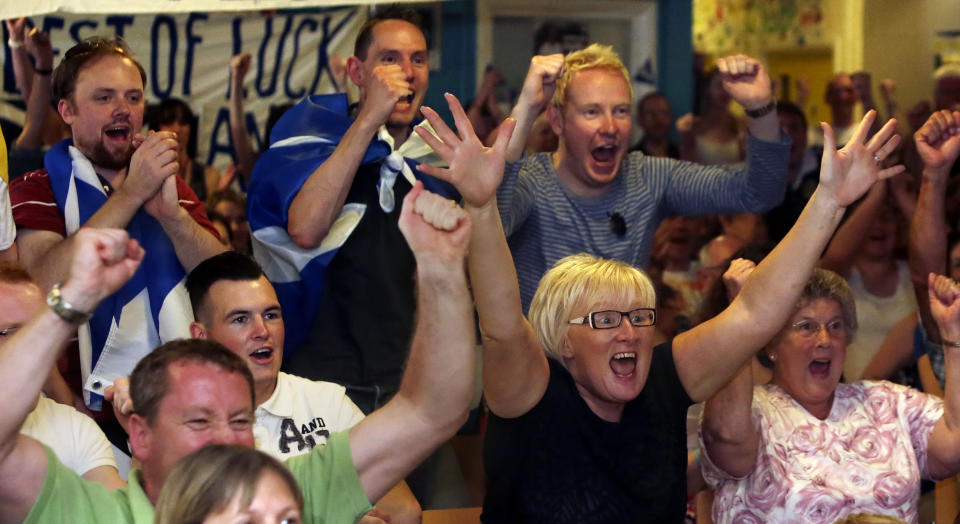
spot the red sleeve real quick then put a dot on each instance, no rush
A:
(34, 206)
(193, 205)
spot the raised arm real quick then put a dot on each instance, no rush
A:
(943, 446)
(320, 200)
(845, 245)
(17, 28)
(536, 93)
(748, 83)
(437, 386)
(38, 103)
(729, 436)
(515, 370)
(242, 150)
(708, 355)
(100, 262)
(938, 144)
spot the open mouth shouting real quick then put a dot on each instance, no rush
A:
(118, 132)
(405, 102)
(624, 364)
(262, 355)
(820, 368)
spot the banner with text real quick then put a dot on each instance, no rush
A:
(187, 56)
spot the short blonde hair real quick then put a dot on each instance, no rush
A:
(594, 56)
(578, 283)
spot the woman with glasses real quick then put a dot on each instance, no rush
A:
(804, 446)
(588, 419)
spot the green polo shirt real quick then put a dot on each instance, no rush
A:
(329, 481)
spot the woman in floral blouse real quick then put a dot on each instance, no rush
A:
(805, 448)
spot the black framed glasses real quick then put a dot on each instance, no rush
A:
(610, 319)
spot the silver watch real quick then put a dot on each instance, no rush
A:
(64, 309)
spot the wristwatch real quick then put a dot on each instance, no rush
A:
(762, 110)
(64, 309)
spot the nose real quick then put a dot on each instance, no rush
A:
(407, 65)
(259, 328)
(608, 124)
(626, 330)
(223, 434)
(823, 335)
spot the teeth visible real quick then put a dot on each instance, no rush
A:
(619, 356)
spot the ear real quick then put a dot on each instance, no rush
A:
(66, 110)
(355, 70)
(565, 350)
(555, 117)
(139, 437)
(197, 330)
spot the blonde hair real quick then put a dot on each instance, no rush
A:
(576, 284)
(594, 56)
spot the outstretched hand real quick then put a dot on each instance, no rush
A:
(944, 295)
(938, 140)
(745, 80)
(847, 174)
(475, 170)
(436, 229)
(102, 260)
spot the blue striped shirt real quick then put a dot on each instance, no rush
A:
(544, 221)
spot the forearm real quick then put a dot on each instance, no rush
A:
(37, 106)
(191, 242)
(944, 441)
(22, 73)
(242, 150)
(320, 200)
(440, 372)
(729, 434)
(400, 505)
(29, 354)
(709, 355)
(843, 249)
(525, 115)
(927, 251)
(766, 128)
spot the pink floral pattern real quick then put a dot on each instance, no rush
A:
(867, 457)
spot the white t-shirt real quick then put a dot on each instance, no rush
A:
(76, 439)
(301, 414)
(876, 316)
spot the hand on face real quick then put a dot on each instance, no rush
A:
(387, 85)
(745, 80)
(153, 162)
(541, 81)
(475, 170)
(938, 141)
(102, 260)
(421, 224)
(944, 295)
(848, 173)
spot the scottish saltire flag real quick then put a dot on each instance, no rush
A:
(151, 308)
(304, 137)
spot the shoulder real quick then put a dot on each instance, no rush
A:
(31, 186)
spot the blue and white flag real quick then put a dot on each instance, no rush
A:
(304, 137)
(151, 308)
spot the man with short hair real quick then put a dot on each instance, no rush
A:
(655, 119)
(347, 170)
(236, 305)
(592, 196)
(108, 176)
(189, 393)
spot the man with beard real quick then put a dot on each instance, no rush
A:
(592, 196)
(109, 176)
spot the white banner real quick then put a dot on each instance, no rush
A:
(18, 8)
(187, 56)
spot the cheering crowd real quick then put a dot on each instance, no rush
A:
(764, 313)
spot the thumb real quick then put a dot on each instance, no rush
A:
(504, 135)
(829, 141)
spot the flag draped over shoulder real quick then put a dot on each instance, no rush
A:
(304, 137)
(151, 308)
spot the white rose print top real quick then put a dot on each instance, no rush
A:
(868, 456)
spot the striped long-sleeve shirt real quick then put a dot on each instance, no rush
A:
(544, 221)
